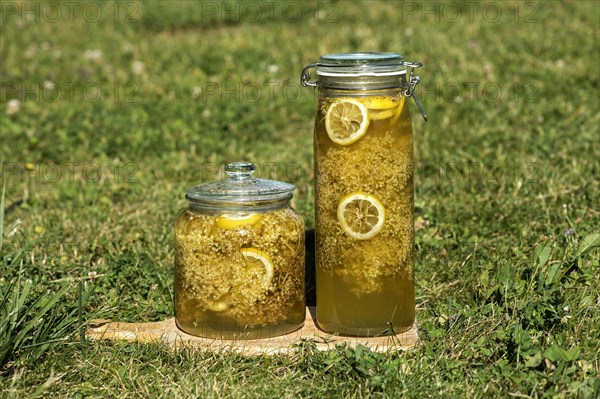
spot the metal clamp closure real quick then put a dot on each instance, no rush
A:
(413, 81)
(305, 79)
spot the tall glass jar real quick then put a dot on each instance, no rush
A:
(239, 259)
(364, 194)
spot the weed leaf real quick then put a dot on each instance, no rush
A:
(542, 252)
(552, 274)
(556, 353)
(588, 243)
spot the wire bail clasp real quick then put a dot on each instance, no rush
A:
(305, 79)
(413, 81)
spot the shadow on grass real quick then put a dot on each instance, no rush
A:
(309, 242)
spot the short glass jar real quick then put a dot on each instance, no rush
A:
(239, 259)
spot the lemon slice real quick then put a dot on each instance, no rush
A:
(361, 215)
(380, 103)
(233, 221)
(388, 113)
(216, 306)
(399, 109)
(384, 107)
(254, 257)
(346, 121)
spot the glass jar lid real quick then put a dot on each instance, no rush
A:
(361, 64)
(240, 190)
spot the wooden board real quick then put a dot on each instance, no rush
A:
(166, 331)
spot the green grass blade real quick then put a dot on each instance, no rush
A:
(2, 216)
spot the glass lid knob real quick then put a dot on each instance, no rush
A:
(239, 170)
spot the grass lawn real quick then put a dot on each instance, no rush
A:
(109, 110)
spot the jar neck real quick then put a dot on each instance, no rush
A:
(256, 206)
(363, 83)
(336, 92)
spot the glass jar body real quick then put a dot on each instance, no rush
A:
(239, 274)
(365, 286)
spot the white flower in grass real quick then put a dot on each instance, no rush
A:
(93, 55)
(13, 106)
(127, 48)
(138, 67)
(30, 52)
(49, 85)
(273, 68)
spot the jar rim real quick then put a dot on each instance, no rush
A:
(362, 57)
(363, 63)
